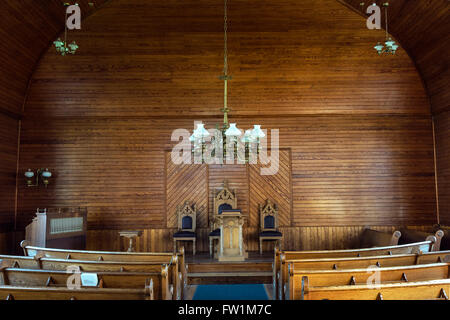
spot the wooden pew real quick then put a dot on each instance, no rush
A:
(45, 293)
(110, 256)
(421, 290)
(359, 263)
(280, 268)
(37, 262)
(118, 280)
(411, 236)
(373, 238)
(328, 278)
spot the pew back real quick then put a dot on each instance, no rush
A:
(164, 257)
(373, 238)
(280, 267)
(175, 278)
(44, 293)
(327, 278)
(122, 280)
(422, 290)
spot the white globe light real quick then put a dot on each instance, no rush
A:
(257, 132)
(29, 174)
(232, 131)
(200, 132)
(46, 174)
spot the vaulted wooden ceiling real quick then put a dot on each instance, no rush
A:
(28, 27)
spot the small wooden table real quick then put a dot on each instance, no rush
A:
(130, 235)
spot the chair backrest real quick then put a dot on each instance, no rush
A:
(187, 214)
(225, 199)
(268, 216)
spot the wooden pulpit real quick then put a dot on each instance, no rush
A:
(231, 245)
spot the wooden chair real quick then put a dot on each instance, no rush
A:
(269, 224)
(187, 215)
(225, 199)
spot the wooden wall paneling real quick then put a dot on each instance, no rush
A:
(345, 171)
(295, 238)
(277, 188)
(313, 56)
(37, 23)
(8, 165)
(425, 39)
(186, 183)
(103, 122)
(442, 128)
(236, 175)
(27, 29)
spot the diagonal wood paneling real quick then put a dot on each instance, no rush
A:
(275, 187)
(186, 182)
(237, 177)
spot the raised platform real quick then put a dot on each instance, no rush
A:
(257, 269)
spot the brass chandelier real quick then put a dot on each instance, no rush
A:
(62, 47)
(389, 46)
(226, 141)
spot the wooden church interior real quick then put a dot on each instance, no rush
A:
(88, 179)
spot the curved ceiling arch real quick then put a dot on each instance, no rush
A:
(29, 28)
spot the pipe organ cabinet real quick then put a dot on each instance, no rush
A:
(62, 228)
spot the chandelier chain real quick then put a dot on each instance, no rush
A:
(225, 56)
(386, 18)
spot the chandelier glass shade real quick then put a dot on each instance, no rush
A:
(63, 48)
(226, 141)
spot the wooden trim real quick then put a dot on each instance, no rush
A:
(247, 171)
(291, 217)
(10, 114)
(16, 196)
(435, 170)
(166, 154)
(208, 214)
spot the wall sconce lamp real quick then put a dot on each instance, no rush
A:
(43, 174)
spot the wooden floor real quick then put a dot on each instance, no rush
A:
(202, 269)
